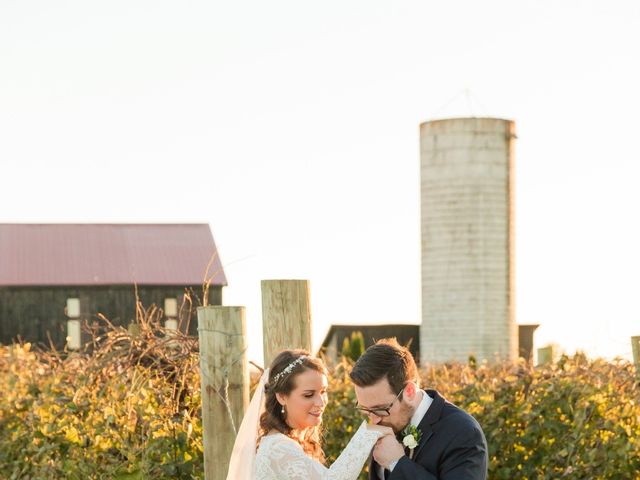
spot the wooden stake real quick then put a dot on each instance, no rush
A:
(545, 355)
(224, 383)
(286, 316)
(635, 348)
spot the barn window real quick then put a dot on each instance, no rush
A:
(73, 308)
(74, 339)
(171, 312)
(171, 307)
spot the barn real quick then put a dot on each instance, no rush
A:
(50, 273)
(406, 334)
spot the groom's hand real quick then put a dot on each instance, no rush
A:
(387, 450)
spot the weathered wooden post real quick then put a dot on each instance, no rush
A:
(635, 348)
(286, 316)
(545, 355)
(224, 383)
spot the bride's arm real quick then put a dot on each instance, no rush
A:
(289, 462)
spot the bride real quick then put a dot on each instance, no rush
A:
(279, 438)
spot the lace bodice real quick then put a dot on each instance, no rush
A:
(281, 458)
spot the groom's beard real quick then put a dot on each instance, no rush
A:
(400, 419)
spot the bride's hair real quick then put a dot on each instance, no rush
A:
(282, 379)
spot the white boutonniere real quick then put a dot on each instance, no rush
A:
(410, 438)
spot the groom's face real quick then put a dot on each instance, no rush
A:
(379, 396)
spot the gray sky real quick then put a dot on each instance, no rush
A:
(292, 128)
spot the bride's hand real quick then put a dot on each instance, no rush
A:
(381, 429)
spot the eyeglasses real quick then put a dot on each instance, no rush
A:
(381, 411)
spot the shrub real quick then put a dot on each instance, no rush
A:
(129, 407)
(577, 418)
(126, 408)
(353, 347)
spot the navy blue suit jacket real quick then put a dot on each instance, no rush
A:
(452, 447)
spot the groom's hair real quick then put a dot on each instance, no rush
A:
(385, 359)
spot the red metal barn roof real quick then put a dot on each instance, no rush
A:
(107, 254)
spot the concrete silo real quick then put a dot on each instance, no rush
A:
(467, 239)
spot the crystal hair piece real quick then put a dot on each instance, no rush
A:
(287, 370)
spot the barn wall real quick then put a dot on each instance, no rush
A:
(31, 312)
(405, 334)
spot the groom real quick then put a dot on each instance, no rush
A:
(451, 444)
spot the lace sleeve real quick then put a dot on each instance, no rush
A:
(287, 460)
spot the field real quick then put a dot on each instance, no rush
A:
(128, 408)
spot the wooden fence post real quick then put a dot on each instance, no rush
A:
(286, 316)
(635, 348)
(545, 355)
(224, 380)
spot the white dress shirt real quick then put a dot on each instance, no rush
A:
(417, 417)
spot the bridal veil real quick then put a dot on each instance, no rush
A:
(243, 456)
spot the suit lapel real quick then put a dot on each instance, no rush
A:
(373, 469)
(431, 417)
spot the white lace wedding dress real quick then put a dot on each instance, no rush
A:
(282, 458)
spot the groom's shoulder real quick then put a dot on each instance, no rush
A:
(456, 418)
